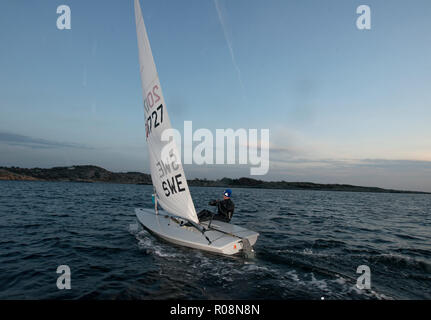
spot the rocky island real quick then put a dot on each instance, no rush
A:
(88, 173)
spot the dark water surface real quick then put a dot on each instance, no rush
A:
(310, 246)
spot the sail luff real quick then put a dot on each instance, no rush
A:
(166, 169)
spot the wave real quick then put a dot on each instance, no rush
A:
(398, 260)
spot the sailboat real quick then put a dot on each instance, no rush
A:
(176, 221)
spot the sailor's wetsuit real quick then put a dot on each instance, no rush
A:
(225, 210)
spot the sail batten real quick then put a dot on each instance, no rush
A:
(167, 173)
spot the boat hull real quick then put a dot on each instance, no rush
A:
(221, 238)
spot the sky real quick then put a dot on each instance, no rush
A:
(343, 105)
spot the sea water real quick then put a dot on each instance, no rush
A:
(310, 246)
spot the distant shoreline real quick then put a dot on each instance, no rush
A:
(91, 174)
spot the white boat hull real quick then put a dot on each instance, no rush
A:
(222, 238)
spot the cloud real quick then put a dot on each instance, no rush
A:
(13, 139)
(385, 163)
(284, 157)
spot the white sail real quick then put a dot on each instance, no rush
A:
(166, 169)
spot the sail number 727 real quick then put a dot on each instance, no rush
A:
(155, 118)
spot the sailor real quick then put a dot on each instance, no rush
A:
(225, 209)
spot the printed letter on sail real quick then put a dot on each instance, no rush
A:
(166, 170)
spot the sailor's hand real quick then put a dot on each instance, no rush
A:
(212, 202)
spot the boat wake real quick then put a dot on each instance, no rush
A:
(149, 245)
(304, 279)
